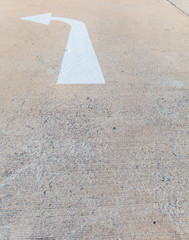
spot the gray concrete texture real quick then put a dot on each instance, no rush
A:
(95, 161)
(182, 5)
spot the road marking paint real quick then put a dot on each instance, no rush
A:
(80, 64)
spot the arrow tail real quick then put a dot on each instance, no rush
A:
(80, 64)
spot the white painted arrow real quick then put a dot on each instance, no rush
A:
(80, 64)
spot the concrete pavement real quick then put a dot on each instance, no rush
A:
(181, 5)
(95, 161)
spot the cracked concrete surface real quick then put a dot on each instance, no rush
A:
(103, 161)
(181, 5)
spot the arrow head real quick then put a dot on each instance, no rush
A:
(43, 18)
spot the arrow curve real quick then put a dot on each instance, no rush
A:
(80, 64)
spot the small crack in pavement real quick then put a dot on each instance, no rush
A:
(174, 5)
